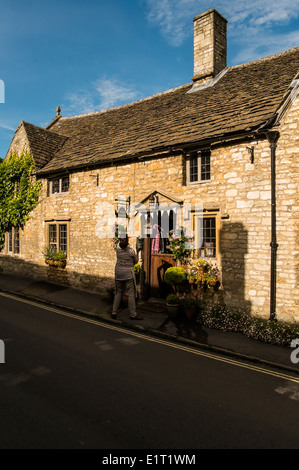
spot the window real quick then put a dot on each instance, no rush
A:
(13, 241)
(199, 167)
(57, 235)
(59, 185)
(208, 249)
(207, 235)
(16, 240)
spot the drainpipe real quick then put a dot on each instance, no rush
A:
(272, 139)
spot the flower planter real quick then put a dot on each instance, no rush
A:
(202, 269)
(55, 263)
(173, 310)
(190, 311)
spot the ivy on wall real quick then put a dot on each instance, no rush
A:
(19, 192)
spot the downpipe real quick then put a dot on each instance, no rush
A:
(273, 137)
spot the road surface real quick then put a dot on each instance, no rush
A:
(70, 382)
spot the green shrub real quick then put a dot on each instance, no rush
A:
(137, 268)
(19, 192)
(172, 299)
(175, 276)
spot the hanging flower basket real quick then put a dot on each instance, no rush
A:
(202, 266)
(55, 263)
(55, 258)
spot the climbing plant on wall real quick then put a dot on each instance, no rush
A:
(19, 192)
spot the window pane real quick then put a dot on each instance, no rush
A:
(63, 237)
(193, 169)
(205, 165)
(65, 182)
(16, 240)
(55, 186)
(209, 237)
(10, 240)
(52, 236)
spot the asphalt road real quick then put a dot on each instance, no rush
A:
(72, 383)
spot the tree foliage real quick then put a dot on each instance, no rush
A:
(19, 192)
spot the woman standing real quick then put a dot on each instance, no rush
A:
(125, 278)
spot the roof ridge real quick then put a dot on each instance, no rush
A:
(41, 128)
(102, 111)
(263, 59)
(171, 90)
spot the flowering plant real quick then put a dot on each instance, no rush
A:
(190, 299)
(180, 245)
(210, 277)
(205, 278)
(54, 254)
(202, 262)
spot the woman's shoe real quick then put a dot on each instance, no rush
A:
(113, 315)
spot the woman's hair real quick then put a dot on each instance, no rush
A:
(123, 242)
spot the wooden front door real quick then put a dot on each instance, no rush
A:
(159, 264)
(155, 265)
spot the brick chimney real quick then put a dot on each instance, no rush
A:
(209, 45)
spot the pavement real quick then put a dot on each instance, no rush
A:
(156, 321)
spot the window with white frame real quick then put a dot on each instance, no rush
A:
(59, 185)
(198, 166)
(207, 235)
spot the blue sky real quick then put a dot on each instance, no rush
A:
(88, 55)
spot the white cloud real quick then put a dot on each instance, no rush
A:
(102, 94)
(173, 18)
(253, 23)
(7, 128)
(268, 44)
(113, 93)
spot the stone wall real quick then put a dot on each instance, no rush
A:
(209, 45)
(287, 190)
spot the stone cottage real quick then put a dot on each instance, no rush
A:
(224, 145)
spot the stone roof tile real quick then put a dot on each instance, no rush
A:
(43, 144)
(244, 98)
